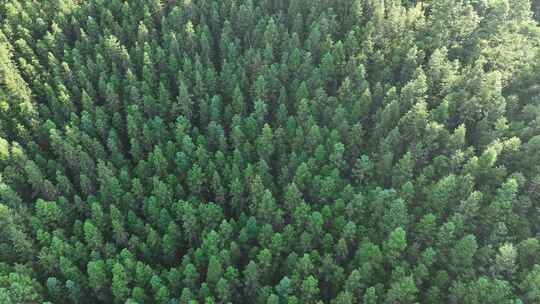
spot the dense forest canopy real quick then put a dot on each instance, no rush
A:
(270, 151)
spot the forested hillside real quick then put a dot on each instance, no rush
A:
(270, 151)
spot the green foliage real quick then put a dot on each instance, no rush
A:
(273, 152)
